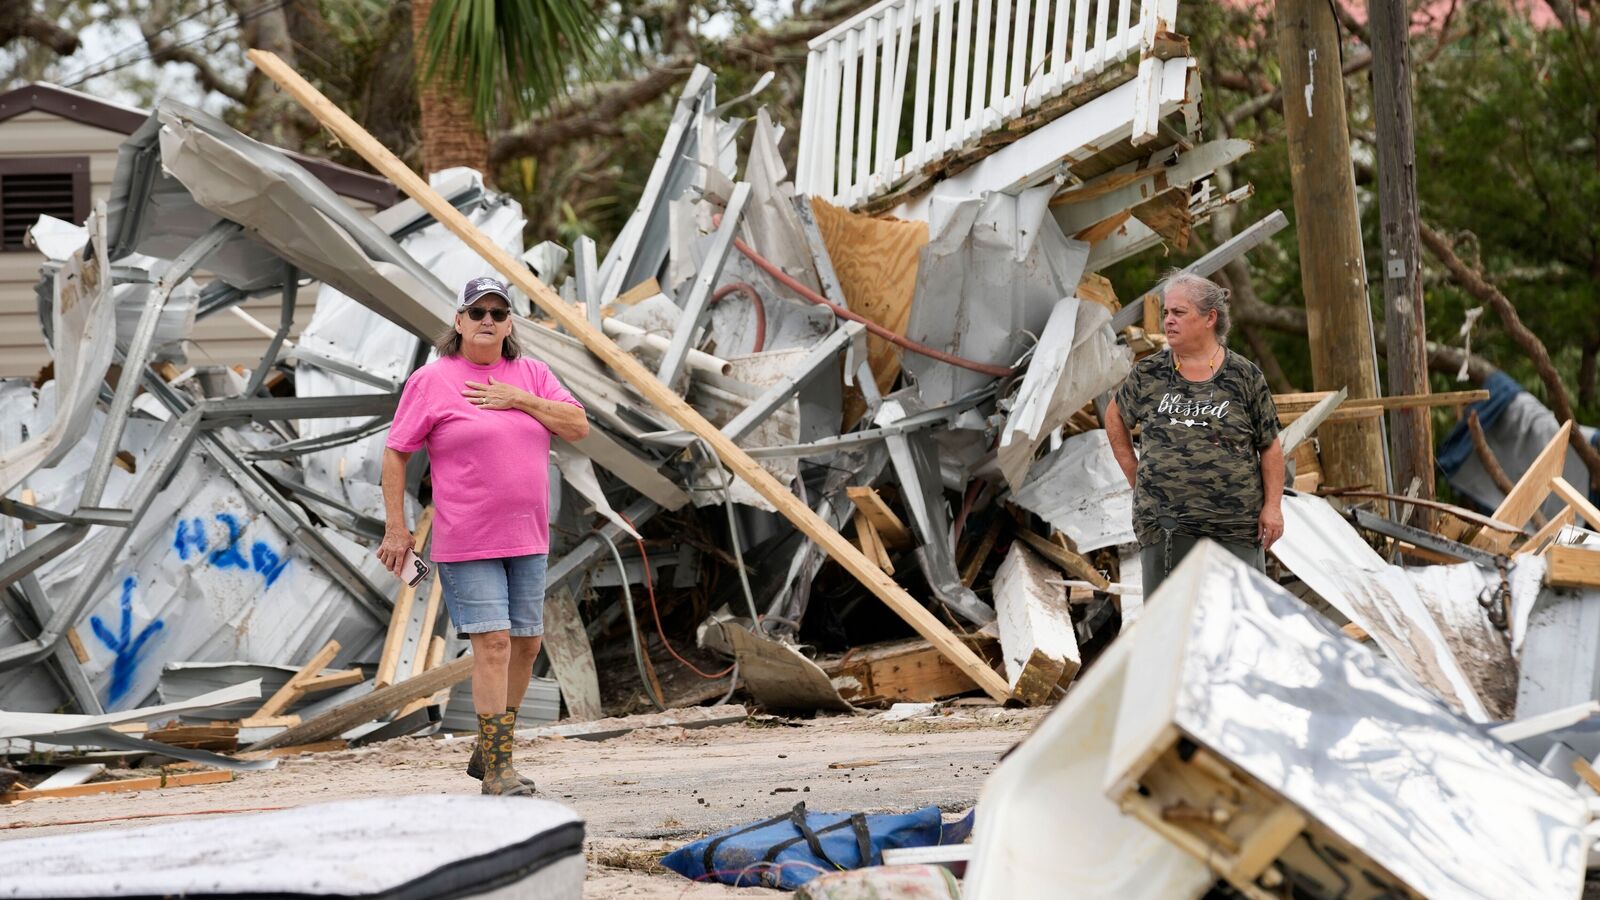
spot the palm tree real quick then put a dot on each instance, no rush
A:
(477, 58)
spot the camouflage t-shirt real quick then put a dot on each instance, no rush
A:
(1199, 448)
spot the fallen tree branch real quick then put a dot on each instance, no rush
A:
(16, 20)
(1473, 282)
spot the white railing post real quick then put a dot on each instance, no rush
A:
(978, 63)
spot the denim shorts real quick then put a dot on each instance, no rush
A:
(485, 595)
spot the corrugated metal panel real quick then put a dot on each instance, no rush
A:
(221, 339)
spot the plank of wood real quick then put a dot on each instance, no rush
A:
(889, 527)
(430, 660)
(76, 643)
(1577, 501)
(1300, 402)
(154, 782)
(624, 364)
(1572, 567)
(872, 543)
(296, 750)
(1545, 535)
(969, 575)
(364, 709)
(876, 263)
(1097, 288)
(571, 654)
(295, 686)
(219, 736)
(30, 498)
(430, 622)
(1065, 559)
(329, 680)
(1529, 492)
(269, 721)
(1354, 632)
(1584, 770)
(1104, 228)
(400, 619)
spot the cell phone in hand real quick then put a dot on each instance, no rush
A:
(414, 568)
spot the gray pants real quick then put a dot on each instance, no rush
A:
(1159, 559)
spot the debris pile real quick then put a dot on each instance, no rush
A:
(931, 388)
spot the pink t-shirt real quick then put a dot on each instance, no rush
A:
(491, 483)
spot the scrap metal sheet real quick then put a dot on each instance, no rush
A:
(1270, 685)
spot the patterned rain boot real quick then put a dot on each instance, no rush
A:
(475, 761)
(495, 736)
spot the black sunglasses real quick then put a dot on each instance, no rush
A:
(476, 313)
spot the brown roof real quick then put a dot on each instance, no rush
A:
(92, 111)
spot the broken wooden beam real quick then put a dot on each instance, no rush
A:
(1529, 493)
(400, 619)
(889, 526)
(364, 709)
(154, 782)
(1066, 559)
(624, 364)
(295, 687)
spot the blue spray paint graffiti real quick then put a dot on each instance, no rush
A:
(190, 540)
(124, 644)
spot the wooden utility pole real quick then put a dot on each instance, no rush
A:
(1411, 437)
(1332, 272)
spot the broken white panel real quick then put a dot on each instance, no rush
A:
(1227, 659)
(83, 324)
(770, 221)
(1044, 820)
(1077, 359)
(993, 270)
(790, 322)
(28, 724)
(1081, 491)
(206, 577)
(1324, 551)
(57, 238)
(578, 472)
(1037, 643)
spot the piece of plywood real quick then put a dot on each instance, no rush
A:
(893, 531)
(296, 685)
(571, 655)
(1529, 493)
(634, 373)
(1097, 288)
(876, 262)
(1572, 567)
(1167, 214)
(1037, 643)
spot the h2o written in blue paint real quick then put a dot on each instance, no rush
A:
(124, 643)
(190, 539)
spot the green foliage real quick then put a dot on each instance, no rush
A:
(516, 54)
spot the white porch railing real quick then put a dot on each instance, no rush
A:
(973, 65)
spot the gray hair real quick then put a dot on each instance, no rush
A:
(1205, 294)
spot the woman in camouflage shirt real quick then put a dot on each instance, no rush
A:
(1209, 463)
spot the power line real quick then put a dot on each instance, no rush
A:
(145, 41)
(243, 18)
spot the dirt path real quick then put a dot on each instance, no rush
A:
(638, 794)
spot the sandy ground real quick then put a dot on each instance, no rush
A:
(640, 794)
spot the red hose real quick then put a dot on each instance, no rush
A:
(755, 300)
(783, 278)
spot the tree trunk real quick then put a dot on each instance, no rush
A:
(1411, 442)
(450, 135)
(1333, 273)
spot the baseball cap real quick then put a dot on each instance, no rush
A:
(481, 287)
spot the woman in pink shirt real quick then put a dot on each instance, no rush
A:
(485, 413)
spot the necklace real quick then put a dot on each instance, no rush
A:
(1177, 360)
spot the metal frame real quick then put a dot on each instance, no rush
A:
(699, 296)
